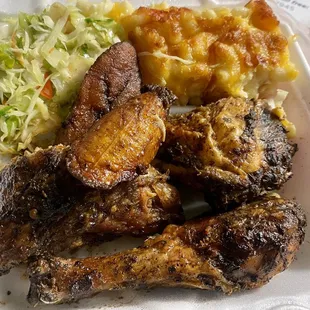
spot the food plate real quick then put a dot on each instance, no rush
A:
(289, 290)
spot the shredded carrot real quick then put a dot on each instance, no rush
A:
(47, 91)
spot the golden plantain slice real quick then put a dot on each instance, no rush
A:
(121, 144)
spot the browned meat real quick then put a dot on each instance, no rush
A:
(43, 208)
(234, 150)
(143, 206)
(121, 144)
(167, 97)
(33, 188)
(112, 80)
(241, 249)
(37, 185)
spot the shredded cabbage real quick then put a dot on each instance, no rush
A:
(159, 54)
(43, 59)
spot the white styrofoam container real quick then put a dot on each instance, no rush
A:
(289, 290)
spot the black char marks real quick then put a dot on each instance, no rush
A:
(45, 209)
(234, 150)
(237, 250)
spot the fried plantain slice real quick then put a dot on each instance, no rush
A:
(111, 81)
(121, 144)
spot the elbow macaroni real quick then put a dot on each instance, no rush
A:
(205, 55)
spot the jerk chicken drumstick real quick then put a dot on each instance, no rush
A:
(44, 209)
(234, 150)
(241, 249)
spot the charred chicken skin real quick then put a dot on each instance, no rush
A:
(141, 207)
(241, 249)
(111, 81)
(33, 189)
(234, 150)
(44, 209)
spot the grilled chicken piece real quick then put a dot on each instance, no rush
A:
(33, 189)
(35, 185)
(43, 208)
(121, 144)
(234, 150)
(241, 249)
(111, 81)
(143, 206)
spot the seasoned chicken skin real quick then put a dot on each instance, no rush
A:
(45, 209)
(141, 207)
(34, 188)
(241, 249)
(121, 144)
(234, 150)
(111, 81)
